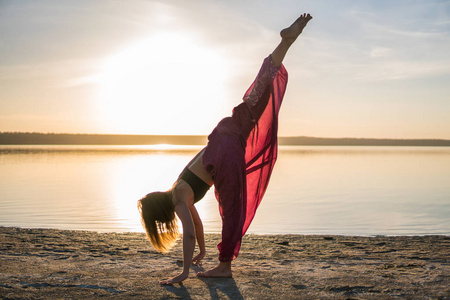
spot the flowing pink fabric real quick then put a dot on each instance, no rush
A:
(241, 153)
(262, 146)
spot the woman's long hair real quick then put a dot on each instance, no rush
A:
(158, 219)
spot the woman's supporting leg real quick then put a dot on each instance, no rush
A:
(288, 37)
(229, 182)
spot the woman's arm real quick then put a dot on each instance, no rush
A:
(199, 234)
(184, 214)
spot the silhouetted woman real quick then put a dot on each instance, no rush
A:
(238, 160)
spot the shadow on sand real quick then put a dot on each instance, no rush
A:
(180, 291)
(222, 286)
(217, 287)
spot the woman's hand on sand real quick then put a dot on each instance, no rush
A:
(196, 261)
(176, 279)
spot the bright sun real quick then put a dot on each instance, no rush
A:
(169, 83)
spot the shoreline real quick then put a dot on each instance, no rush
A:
(52, 263)
(325, 234)
(36, 138)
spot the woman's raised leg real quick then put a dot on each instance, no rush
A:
(288, 37)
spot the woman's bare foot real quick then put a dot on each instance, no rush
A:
(223, 270)
(291, 33)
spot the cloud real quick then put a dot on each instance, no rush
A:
(83, 80)
(384, 41)
(380, 52)
(61, 73)
(383, 29)
(396, 70)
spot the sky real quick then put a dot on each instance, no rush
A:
(369, 68)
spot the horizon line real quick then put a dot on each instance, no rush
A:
(206, 135)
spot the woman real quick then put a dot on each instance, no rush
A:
(238, 160)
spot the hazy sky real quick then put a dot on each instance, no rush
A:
(375, 68)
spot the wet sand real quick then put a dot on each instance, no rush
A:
(57, 264)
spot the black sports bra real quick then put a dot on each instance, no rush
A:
(198, 186)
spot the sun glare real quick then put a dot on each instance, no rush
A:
(162, 85)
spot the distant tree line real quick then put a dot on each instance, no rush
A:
(316, 141)
(35, 138)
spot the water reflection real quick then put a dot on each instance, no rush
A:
(314, 190)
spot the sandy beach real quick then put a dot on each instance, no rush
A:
(57, 264)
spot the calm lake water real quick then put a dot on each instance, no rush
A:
(314, 190)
